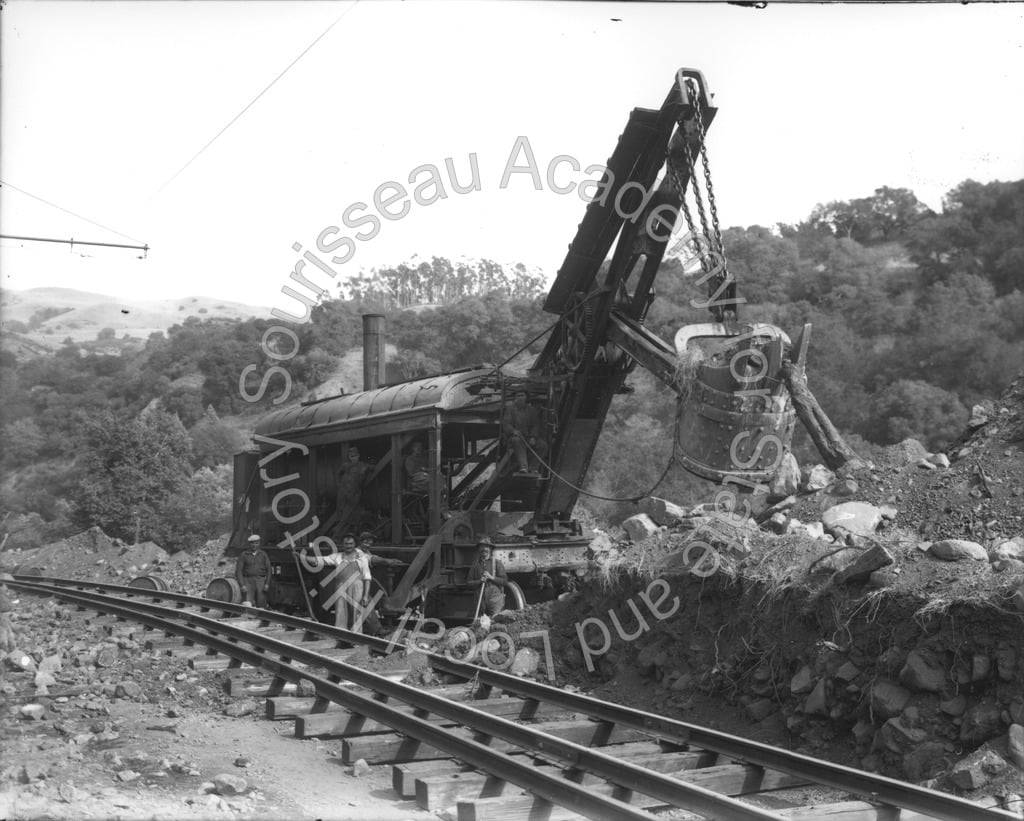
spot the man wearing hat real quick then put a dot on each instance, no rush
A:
(252, 572)
(490, 573)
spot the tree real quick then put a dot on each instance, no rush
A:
(130, 469)
(762, 263)
(200, 510)
(914, 409)
(24, 442)
(884, 216)
(214, 442)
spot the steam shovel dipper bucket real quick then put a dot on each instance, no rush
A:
(736, 419)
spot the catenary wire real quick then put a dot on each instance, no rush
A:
(252, 102)
(66, 211)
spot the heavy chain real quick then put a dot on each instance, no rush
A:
(692, 86)
(710, 230)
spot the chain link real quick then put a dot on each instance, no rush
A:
(692, 86)
(711, 231)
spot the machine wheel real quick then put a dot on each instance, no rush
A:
(515, 599)
(149, 583)
(225, 590)
(577, 330)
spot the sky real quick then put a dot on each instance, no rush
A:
(105, 105)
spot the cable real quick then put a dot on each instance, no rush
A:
(253, 101)
(633, 499)
(66, 211)
(549, 328)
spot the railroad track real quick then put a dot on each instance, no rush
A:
(489, 755)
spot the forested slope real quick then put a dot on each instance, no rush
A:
(917, 316)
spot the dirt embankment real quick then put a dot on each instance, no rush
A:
(873, 618)
(94, 556)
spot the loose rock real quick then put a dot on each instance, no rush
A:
(33, 712)
(639, 527)
(525, 663)
(229, 784)
(817, 477)
(981, 722)
(954, 550)
(662, 511)
(244, 707)
(856, 518)
(888, 699)
(977, 770)
(920, 674)
(1015, 743)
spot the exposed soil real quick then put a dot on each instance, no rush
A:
(141, 735)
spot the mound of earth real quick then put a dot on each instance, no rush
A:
(94, 556)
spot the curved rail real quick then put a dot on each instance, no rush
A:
(229, 639)
(225, 638)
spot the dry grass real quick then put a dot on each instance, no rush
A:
(639, 562)
(687, 367)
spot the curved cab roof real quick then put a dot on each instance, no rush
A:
(455, 391)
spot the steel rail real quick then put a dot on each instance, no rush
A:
(625, 774)
(183, 599)
(880, 788)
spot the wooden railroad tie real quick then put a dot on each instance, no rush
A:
(392, 747)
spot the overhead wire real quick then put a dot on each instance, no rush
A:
(252, 102)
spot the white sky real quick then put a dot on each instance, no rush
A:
(103, 102)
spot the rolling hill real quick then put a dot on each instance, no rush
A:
(40, 319)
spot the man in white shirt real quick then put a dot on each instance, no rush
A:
(351, 584)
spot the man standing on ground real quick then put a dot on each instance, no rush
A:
(252, 572)
(351, 584)
(490, 573)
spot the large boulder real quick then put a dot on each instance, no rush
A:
(662, 511)
(1015, 744)
(899, 737)
(1008, 549)
(925, 761)
(861, 569)
(816, 477)
(977, 770)
(908, 452)
(639, 527)
(955, 550)
(981, 722)
(888, 699)
(229, 784)
(921, 673)
(851, 518)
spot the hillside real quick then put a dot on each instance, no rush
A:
(40, 319)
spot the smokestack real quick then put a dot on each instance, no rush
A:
(373, 351)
